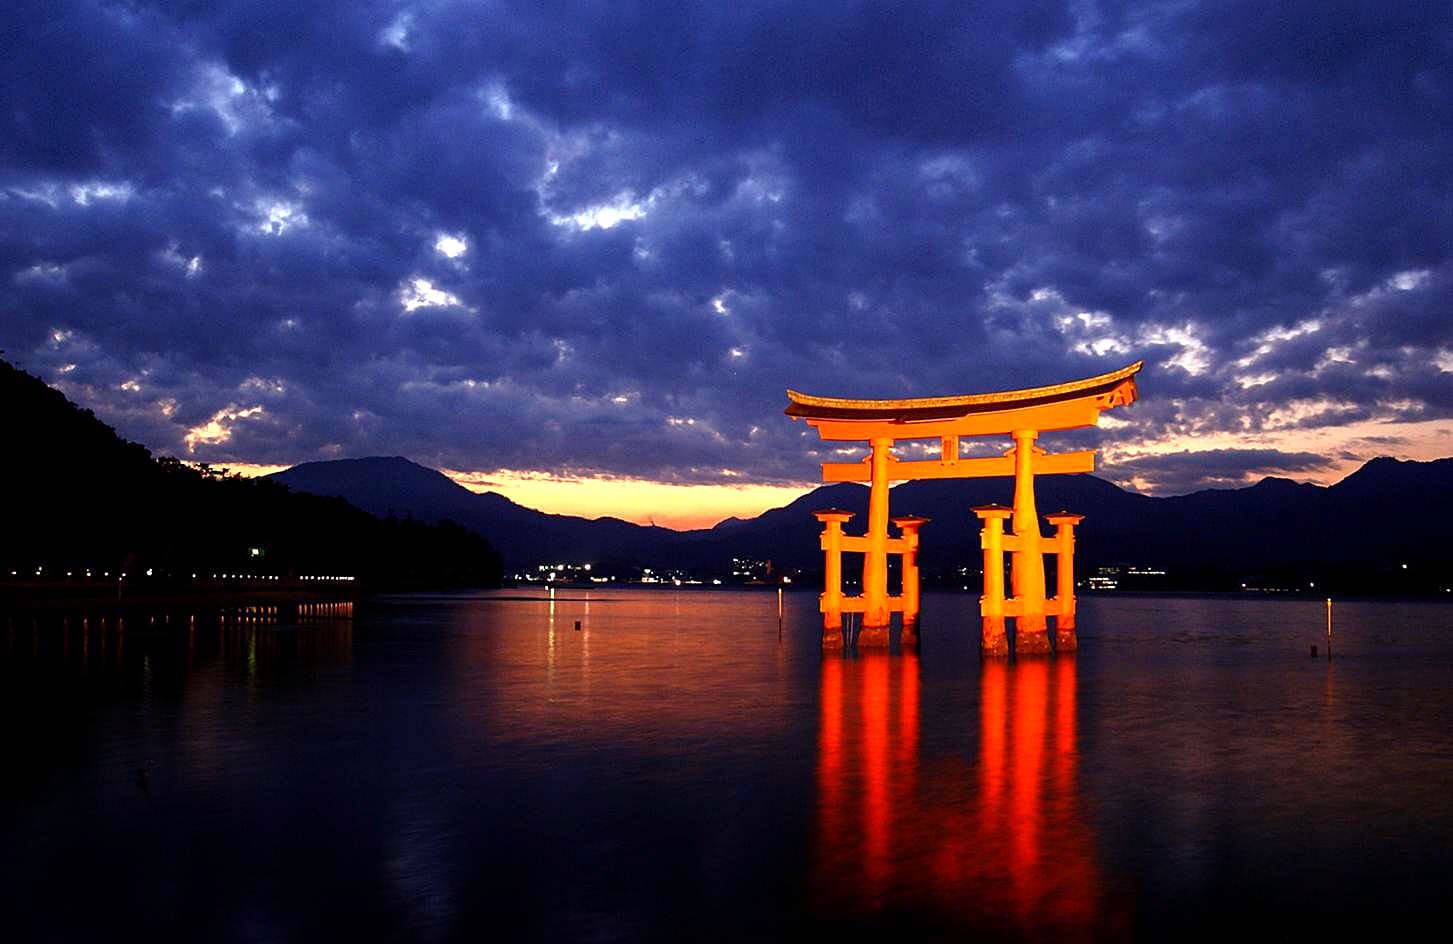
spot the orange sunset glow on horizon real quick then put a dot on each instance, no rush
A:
(665, 504)
(685, 507)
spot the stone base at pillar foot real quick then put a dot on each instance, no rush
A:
(994, 641)
(832, 639)
(909, 637)
(1031, 636)
(1065, 639)
(873, 637)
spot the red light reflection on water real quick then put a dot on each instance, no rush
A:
(999, 843)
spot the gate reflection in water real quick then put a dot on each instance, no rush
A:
(1000, 842)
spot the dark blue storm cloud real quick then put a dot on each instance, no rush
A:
(604, 237)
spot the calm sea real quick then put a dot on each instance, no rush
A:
(686, 766)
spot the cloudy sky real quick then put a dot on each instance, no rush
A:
(574, 249)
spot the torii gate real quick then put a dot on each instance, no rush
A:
(1021, 414)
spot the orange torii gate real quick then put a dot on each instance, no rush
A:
(1020, 414)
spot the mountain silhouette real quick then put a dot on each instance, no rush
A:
(524, 537)
(1358, 525)
(79, 497)
(79, 493)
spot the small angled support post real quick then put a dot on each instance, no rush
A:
(831, 601)
(908, 526)
(1065, 639)
(994, 640)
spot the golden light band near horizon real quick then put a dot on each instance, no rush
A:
(677, 506)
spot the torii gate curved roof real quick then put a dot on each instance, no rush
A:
(1056, 407)
(941, 408)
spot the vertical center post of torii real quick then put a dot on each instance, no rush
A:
(1026, 569)
(875, 560)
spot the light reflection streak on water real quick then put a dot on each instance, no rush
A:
(1026, 808)
(475, 766)
(875, 772)
(1004, 843)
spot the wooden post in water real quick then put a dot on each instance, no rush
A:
(1026, 560)
(908, 526)
(873, 624)
(1329, 627)
(831, 601)
(993, 641)
(1065, 639)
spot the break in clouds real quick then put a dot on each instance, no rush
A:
(603, 238)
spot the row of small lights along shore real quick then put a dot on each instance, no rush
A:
(550, 573)
(106, 574)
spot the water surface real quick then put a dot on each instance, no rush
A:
(686, 766)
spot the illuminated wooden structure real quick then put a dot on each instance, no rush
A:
(1019, 414)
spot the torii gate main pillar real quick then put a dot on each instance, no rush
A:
(875, 559)
(1026, 562)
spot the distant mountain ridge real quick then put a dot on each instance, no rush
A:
(78, 492)
(1275, 523)
(397, 486)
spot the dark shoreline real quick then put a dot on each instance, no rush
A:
(56, 596)
(21, 597)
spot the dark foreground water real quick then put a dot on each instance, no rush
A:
(476, 769)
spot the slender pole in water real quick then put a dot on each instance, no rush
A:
(1329, 627)
(779, 612)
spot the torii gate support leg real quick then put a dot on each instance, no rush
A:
(1065, 639)
(1031, 631)
(908, 526)
(993, 642)
(875, 560)
(832, 591)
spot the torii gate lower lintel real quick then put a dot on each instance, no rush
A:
(1020, 414)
